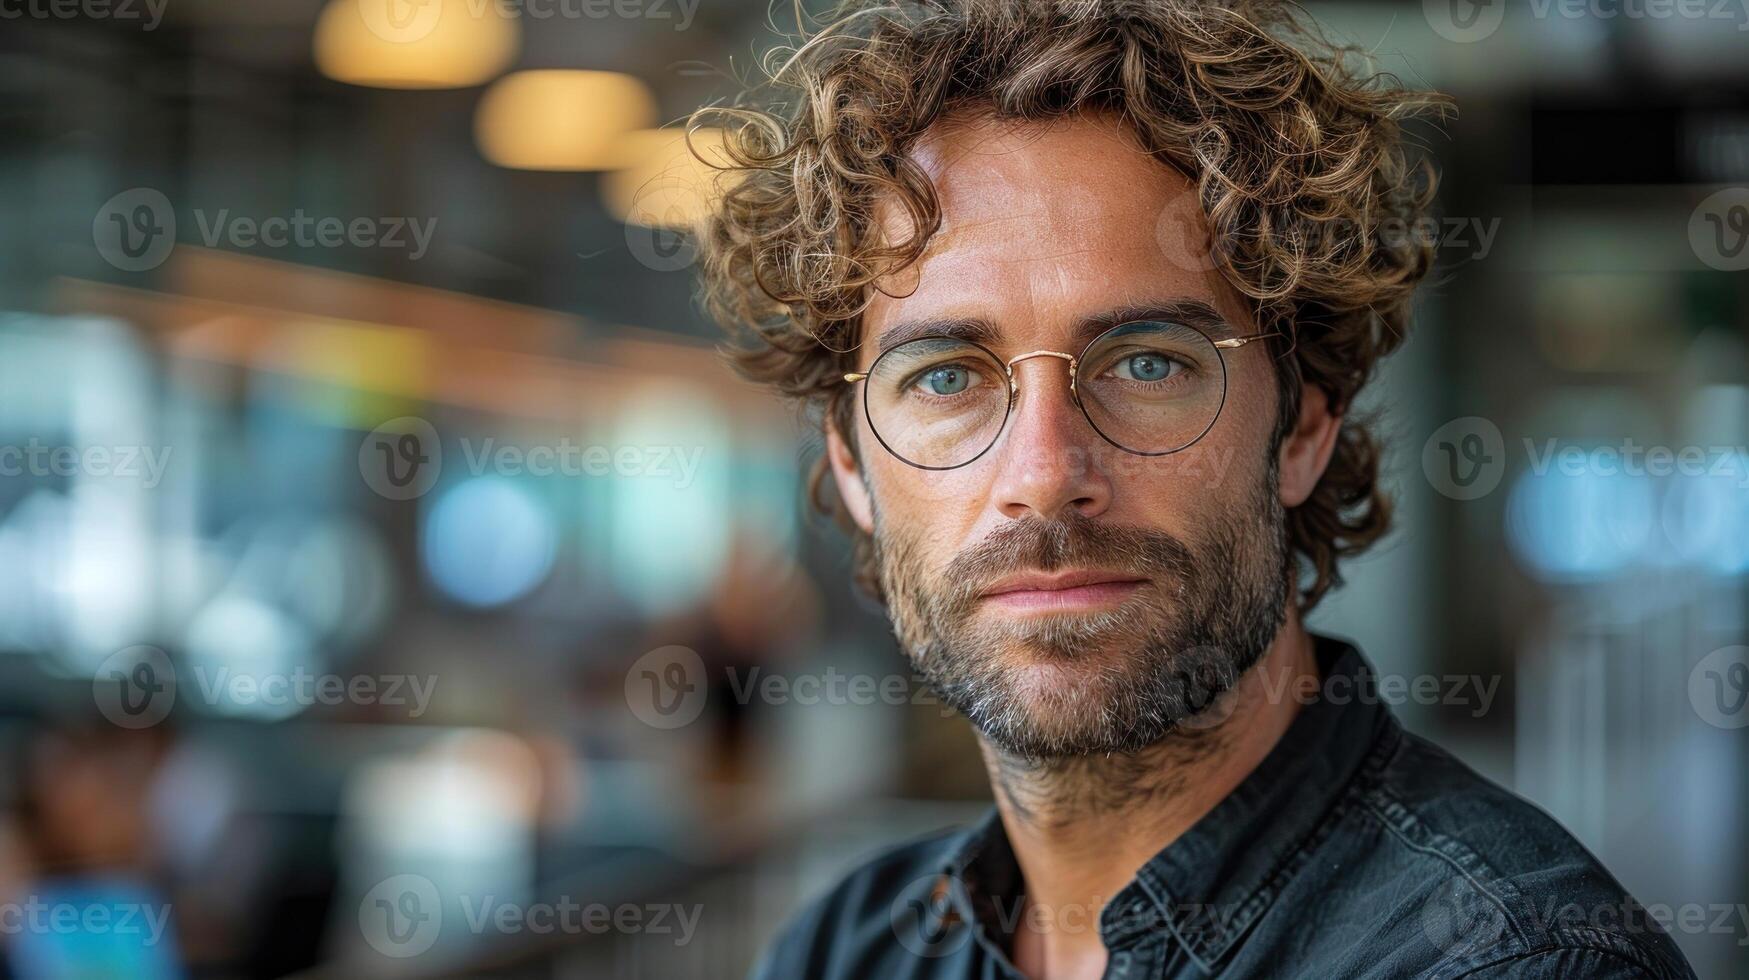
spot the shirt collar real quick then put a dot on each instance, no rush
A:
(1214, 881)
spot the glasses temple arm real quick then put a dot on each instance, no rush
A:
(1233, 342)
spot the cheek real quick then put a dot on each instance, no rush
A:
(934, 508)
(1181, 491)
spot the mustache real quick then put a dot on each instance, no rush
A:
(1073, 541)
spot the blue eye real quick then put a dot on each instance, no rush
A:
(949, 380)
(1148, 366)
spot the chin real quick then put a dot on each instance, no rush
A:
(1059, 637)
(1060, 700)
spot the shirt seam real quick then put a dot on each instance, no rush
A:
(1625, 952)
(1209, 950)
(1436, 847)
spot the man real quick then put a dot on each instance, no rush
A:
(1083, 292)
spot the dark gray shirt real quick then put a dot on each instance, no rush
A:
(1354, 850)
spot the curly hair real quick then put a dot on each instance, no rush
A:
(1298, 157)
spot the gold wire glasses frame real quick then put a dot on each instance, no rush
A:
(1074, 362)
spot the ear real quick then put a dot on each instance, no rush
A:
(1306, 451)
(852, 488)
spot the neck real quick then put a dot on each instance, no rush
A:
(1082, 827)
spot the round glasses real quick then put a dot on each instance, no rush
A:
(1149, 387)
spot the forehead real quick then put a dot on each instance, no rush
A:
(1045, 227)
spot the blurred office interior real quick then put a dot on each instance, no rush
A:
(358, 353)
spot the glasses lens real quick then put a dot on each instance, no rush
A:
(1152, 387)
(937, 402)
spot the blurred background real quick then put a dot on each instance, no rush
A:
(394, 581)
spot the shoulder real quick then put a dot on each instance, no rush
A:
(857, 924)
(1492, 885)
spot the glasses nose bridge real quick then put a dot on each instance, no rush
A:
(1014, 380)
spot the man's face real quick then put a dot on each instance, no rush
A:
(1068, 597)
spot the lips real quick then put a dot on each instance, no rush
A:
(1060, 591)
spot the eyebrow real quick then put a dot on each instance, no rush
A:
(1190, 312)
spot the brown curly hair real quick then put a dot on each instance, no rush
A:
(1298, 157)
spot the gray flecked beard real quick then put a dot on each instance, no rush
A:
(1059, 687)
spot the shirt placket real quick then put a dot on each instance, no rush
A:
(1135, 942)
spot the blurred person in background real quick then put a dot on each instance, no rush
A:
(80, 886)
(1083, 294)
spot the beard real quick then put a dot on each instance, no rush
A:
(1113, 681)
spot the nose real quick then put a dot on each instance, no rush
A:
(1048, 459)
